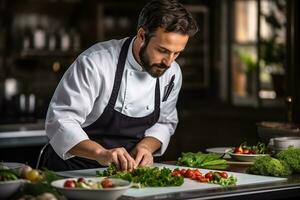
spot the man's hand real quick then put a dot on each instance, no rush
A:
(119, 156)
(92, 150)
(143, 156)
(143, 151)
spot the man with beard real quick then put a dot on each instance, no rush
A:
(117, 101)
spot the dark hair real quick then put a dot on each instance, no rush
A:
(168, 14)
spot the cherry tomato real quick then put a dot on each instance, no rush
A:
(176, 173)
(209, 176)
(106, 183)
(238, 150)
(223, 174)
(246, 151)
(189, 173)
(203, 179)
(182, 172)
(197, 172)
(69, 184)
(81, 180)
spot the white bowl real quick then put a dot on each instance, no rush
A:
(282, 143)
(245, 157)
(93, 194)
(9, 188)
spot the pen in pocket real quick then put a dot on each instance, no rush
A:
(169, 88)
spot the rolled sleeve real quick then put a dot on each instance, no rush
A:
(66, 137)
(162, 133)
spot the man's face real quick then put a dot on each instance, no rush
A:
(157, 53)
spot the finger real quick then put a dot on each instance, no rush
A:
(138, 158)
(147, 160)
(130, 162)
(115, 159)
(123, 161)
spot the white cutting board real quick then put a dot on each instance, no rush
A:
(188, 185)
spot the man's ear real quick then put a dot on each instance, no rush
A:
(141, 35)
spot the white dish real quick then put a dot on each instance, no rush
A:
(12, 165)
(245, 157)
(93, 194)
(221, 151)
(9, 188)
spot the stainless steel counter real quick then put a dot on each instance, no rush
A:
(23, 138)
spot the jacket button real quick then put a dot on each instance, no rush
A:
(126, 107)
(131, 73)
(148, 107)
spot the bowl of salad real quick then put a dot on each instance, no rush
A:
(248, 153)
(92, 188)
(10, 183)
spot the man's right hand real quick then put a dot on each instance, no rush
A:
(119, 156)
(92, 150)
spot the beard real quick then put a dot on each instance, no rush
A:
(156, 69)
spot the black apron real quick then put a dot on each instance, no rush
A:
(112, 129)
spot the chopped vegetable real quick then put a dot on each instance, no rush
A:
(269, 166)
(202, 160)
(145, 176)
(292, 157)
(244, 148)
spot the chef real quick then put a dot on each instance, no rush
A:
(117, 102)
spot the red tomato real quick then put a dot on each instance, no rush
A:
(209, 176)
(81, 180)
(246, 151)
(106, 183)
(223, 174)
(189, 173)
(203, 179)
(238, 150)
(197, 172)
(176, 173)
(69, 184)
(182, 172)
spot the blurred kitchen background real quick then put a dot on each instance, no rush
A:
(239, 70)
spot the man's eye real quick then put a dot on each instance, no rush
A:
(162, 51)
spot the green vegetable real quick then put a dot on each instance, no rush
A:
(8, 175)
(292, 157)
(202, 160)
(269, 166)
(145, 176)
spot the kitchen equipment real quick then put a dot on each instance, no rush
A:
(282, 143)
(93, 194)
(268, 130)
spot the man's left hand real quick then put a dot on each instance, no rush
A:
(143, 156)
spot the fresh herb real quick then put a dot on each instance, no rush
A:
(292, 157)
(269, 166)
(202, 160)
(145, 176)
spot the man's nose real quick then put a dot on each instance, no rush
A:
(169, 59)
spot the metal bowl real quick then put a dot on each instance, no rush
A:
(268, 130)
(282, 143)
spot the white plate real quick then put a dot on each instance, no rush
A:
(12, 165)
(93, 194)
(221, 151)
(245, 157)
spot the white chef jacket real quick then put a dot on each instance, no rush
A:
(85, 89)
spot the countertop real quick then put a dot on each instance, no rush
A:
(286, 189)
(17, 135)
